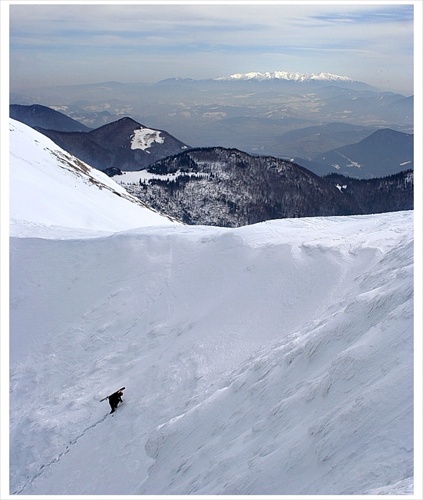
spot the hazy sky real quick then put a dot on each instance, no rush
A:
(59, 43)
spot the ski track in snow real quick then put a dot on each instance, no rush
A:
(58, 457)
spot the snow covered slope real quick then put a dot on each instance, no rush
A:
(269, 359)
(50, 187)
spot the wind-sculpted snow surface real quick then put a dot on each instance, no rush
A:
(270, 359)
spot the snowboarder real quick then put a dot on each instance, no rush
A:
(115, 399)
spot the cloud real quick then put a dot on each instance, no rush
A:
(321, 36)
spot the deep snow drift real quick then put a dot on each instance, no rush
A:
(270, 359)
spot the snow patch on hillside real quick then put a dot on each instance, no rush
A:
(143, 176)
(143, 138)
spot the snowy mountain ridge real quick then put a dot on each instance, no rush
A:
(50, 180)
(240, 378)
(124, 143)
(286, 75)
(229, 188)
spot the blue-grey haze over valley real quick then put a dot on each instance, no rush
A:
(57, 44)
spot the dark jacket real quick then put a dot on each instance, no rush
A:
(115, 399)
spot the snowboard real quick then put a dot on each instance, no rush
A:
(107, 397)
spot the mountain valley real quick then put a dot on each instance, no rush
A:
(248, 114)
(228, 187)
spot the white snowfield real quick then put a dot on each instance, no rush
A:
(144, 138)
(272, 359)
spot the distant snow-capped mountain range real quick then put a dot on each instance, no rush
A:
(286, 75)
